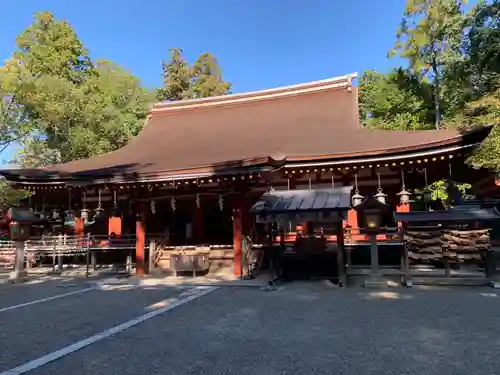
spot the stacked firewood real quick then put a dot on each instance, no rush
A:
(424, 246)
(465, 245)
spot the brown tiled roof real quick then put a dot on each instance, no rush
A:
(318, 120)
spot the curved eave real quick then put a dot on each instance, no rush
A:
(451, 144)
(41, 177)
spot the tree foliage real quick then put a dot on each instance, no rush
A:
(73, 107)
(10, 197)
(394, 101)
(176, 77)
(430, 38)
(183, 81)
(453, 75)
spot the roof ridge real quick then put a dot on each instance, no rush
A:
(344, 81)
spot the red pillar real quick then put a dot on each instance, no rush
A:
(79, 227)
(115, 225)
(403, 207)
(352, 223)
(237, 239)
(140, 243)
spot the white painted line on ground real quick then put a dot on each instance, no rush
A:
(105, 334)
(46, 299)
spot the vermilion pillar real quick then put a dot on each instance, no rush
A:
(115, 225)
(79, 227)
(140, 243)
(403, 207)
(237, 239)
(352, 220)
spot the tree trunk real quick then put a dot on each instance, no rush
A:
(437, 108)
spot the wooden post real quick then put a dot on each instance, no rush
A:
(403, 207)
(352, 224)
(115, 225)
(140, 243)
(79, 227)
(152, 256)
(340, 255)
(374, 253)
(237, 240)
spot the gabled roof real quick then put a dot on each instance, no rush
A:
(313, 121)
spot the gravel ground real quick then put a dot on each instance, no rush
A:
(301, 329)
(38, 288)
(29, 332)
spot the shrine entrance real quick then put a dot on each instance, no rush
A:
(305, 235)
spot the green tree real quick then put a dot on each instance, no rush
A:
(50, 47)
(10, 197)
(206, 78)
(182, 81)
(76, 108)
(482, 45)
(176, 77)
(430, 38)
(478, 81)
(394, 101)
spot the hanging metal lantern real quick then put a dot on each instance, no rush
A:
(115, 211)
(427, 195)
(70, 215)
(404, 196)
(84, 214)
(198, 203)
(98, 212)
(357, 199)
(55, 214)
(221, 202)
(172, 203)
(380, 196)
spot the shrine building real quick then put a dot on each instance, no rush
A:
(195, 170)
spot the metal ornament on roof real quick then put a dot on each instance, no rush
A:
(172, 203)
(357, 198)
(380, 196)
(221, 202)
(404, 195)
(198, 202)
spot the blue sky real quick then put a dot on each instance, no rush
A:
(259, 43)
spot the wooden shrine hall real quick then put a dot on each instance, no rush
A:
(192, 174)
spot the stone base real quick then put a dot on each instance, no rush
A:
(376, 281)
(18, 277)
(494, 284)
